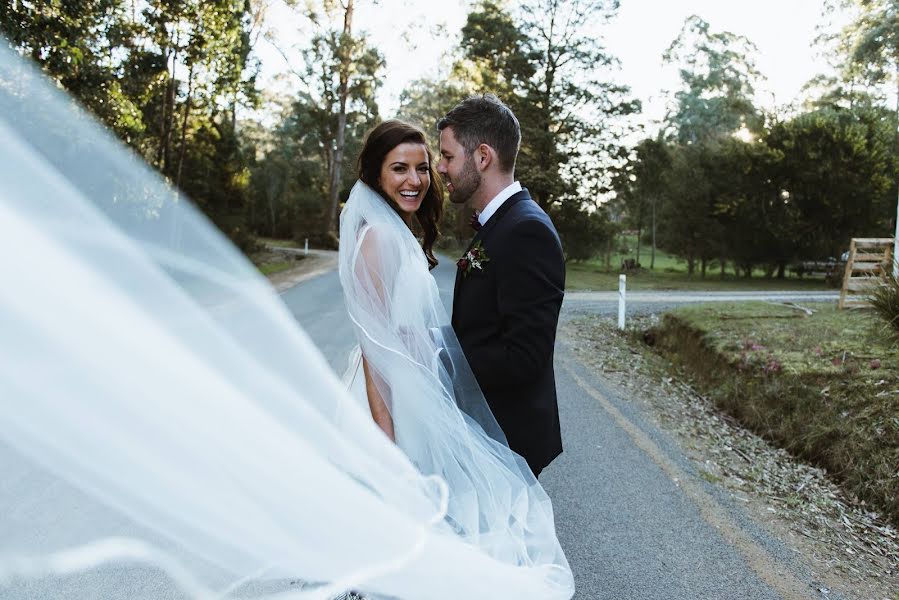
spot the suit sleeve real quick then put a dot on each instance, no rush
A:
(530, 274)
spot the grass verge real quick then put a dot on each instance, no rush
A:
(670, 273)
(282, 243)
(270, 268)
(823, 386)
(592, 276)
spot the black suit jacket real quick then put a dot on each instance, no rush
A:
(505, 316)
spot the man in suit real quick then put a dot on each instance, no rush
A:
(511, 280)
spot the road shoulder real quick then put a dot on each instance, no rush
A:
(801, 514)
(317, 262)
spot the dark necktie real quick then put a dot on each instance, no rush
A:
(474, 223)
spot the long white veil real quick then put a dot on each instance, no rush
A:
(441, 419)
(166, 428)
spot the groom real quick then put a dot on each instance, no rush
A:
(510, 281)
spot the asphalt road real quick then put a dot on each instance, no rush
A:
(635, 519)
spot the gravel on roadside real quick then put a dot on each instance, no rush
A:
(844, 543)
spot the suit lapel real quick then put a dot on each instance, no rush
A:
(485, 230)
(495, 217)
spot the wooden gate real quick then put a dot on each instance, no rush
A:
(868, 259)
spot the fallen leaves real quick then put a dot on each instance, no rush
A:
(845, 536)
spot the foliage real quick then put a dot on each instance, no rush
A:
(552, 70)
(689, 226)
(165, 75)
(735, 189)
(884, 299)
(639, 184)
(838, 171)
(868, 46)
(584, 232)
(818, 385)
(426, 101)
(339, 76)
(718, 74)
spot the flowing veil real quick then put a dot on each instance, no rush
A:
(167, 429)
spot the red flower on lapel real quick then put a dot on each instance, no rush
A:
(474, 259)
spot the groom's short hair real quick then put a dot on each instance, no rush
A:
(485, 120)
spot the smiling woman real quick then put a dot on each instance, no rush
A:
(406, 177)
(168, 429)
(397, 163)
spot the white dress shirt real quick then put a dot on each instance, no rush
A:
(497, 201)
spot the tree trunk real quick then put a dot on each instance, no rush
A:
(183, 148)
(639, 236)
(703, 264)
(652, 260)
(271, 211)
(162, 116)
(169, 111)
(343, 94)
(781, 270)
(691, 265)
(896, 232)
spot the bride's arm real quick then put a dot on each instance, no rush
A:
(379, 411)
(368, 272)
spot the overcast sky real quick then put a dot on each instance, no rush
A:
(414, 36)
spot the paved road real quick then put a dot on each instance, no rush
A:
(634, 518)
(318, 306)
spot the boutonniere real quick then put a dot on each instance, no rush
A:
(475, 259)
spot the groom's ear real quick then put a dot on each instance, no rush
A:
(484, 156)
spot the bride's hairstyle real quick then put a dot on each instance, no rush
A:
(379, 142)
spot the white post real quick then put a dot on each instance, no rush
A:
(896, 239)
(306, 248)
(622, 287)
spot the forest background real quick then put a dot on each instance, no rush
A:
(720, 182)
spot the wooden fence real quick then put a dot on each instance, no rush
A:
(869, 258)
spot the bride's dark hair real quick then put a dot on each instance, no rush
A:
(378, 143)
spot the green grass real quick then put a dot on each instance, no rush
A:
(585, 276)
(278, 242)
(276, 267)
(824, 386)
(670, 273)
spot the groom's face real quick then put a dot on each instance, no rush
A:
(457, 168)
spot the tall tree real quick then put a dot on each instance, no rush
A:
(164, 75)
(870, 43)
(868, 46)
(555, 74)
(545, 59)
(838, 171)
(77, 43)
(640, 186)
(718, 74)
(340, 75)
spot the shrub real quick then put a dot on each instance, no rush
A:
(884, 299)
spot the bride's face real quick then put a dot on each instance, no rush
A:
(406, 176)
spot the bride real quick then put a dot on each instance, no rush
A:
(410, 372)
(168, 430)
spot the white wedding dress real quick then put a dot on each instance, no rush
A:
(441, 420)
(166, 428)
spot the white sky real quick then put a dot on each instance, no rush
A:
(407, 33)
